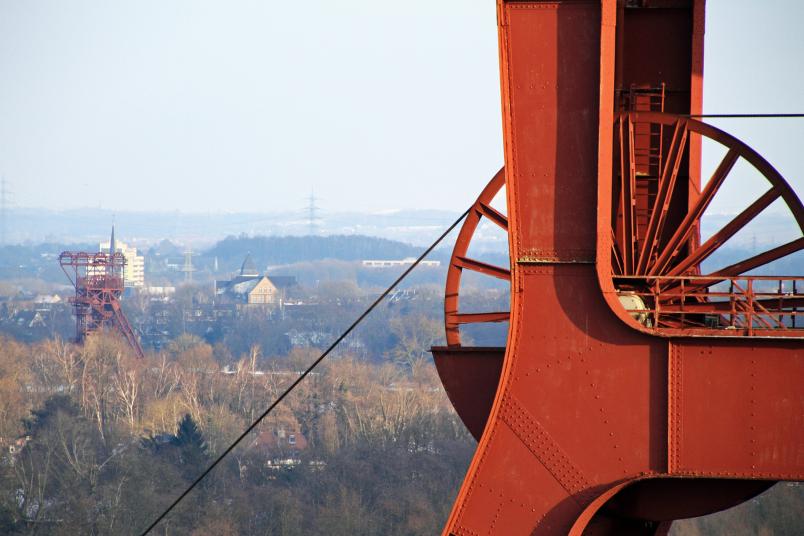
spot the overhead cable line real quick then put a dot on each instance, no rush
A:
(304, 374)
(741, 116)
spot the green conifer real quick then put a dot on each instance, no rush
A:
(191, 444)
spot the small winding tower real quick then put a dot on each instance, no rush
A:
(98, 282)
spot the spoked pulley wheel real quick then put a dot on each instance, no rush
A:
(658, 253)
(459, 262)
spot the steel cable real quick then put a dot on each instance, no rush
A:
(303, 375)
(741, 116)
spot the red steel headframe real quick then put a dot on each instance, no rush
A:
(98, 282)
(637, 387)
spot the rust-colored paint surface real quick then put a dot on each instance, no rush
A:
(470, 376)
(610, 418)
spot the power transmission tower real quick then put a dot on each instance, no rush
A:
(5, 202)
(188, 267)
(312, 214)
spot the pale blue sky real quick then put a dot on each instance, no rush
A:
(247, 105)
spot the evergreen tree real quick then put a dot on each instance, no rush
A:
(43, 417)
(191, 446)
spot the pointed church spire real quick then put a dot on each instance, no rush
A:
(249, 268)
(112, 245)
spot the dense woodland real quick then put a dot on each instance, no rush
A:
(110, 440)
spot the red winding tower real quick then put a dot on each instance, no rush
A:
(98, 282)
(641, 381)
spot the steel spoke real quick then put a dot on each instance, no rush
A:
(688, 224)
(632, 186)
(661, 204)
(483, 268)
(475, 318)
(719, 238)
(762, 259)
(626, 205)
(492, 214)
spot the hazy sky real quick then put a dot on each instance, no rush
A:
(247, 105)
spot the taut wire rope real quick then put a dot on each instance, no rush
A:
(304, 374)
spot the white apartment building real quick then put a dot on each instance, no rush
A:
(134, 272)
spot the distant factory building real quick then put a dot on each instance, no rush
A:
(134, 271)
(395, 263)
(251, 287)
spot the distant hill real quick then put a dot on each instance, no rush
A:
(273, 250)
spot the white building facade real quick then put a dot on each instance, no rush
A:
(134, 272)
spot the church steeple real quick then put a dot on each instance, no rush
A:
(249, 268)
(112, 245)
